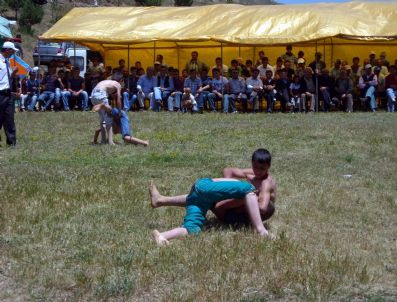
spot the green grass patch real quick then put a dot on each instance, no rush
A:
(75, 219)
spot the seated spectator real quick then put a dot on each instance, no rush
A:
(157, 67)
(326, 86)
(343, 90)
(195, 64)
(282, 88)
(76, 89)
(162, 90)
(160, 58)
(380, 89)
(391, 88)
(308, 87)
(261, 54)
(264, 67)
(219, 88)
(384, 71)
(269, 90)
(205, 94)
(219, 64)
(130, 95)
(289, 56)
(372, 58)
(295, 93)
(61, 92)
(193, 83)
(249, 67)
(107, 75)
(254, 91)
(145, 86)
(317, 65)
(236, 92)
(367, 84)
(138, 65)
(50, 83)
(174, 100)
(32, 91)
(141, 72)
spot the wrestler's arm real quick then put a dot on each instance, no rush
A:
(265, 195)
(236, 173)
(221, 207)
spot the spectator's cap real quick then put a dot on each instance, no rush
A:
(35, 69)
(377, 69)
(9, 45)
(382, 54)
(301, 61)
(157, 63)
(347, 67)
(372, 53)
(368, 66)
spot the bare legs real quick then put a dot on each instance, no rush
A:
(158, 200)
(135, 141)
(251, 203)
(162, 238)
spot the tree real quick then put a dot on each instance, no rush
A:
(15, 5)
(3, 7)
(183, 2)
(148, 2)
(31, 14)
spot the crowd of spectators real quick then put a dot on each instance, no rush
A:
(292, 85)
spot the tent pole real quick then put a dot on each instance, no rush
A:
(177, 56)
(222, 62)
(316, 75)
(239, 51)
(253, 56)
(332, 50)
(128, 64)
(154, 52)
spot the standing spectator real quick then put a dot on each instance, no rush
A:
(76, 88)
(301, 55)
(382, 57)
(94, 73)
(279, 65)
(391, 88)
(6, 104)
(121, 67)
(372, 58)
(195, 64)
(335, 72)
(289, 56)
(290, 71)
(219, 64)
(300, 70)
(317, 65)
(261, 54)
(264, 67)
(382, 69)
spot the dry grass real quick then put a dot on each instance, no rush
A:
(75, 219)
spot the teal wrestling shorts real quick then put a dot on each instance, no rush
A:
(205, 193)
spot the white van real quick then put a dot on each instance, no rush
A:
(78, 57)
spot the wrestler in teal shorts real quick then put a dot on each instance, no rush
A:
(205, 193)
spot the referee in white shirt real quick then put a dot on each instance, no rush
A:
(7, 107)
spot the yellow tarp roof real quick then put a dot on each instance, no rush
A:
(226, 23)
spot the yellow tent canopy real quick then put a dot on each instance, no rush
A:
(228, 30)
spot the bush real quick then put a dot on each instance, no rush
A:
(31, 14)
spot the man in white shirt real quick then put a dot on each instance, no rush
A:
(6, 102)
(265, 67)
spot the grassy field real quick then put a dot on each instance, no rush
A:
(75, 219)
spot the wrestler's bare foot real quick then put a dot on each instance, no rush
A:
(159, 239)
(154, 195)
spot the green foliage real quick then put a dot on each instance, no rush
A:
(183, 2)
(148, 2)
(31, 14)
(15, 5)
(3, 6)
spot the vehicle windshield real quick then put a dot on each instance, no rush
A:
(77, 62)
